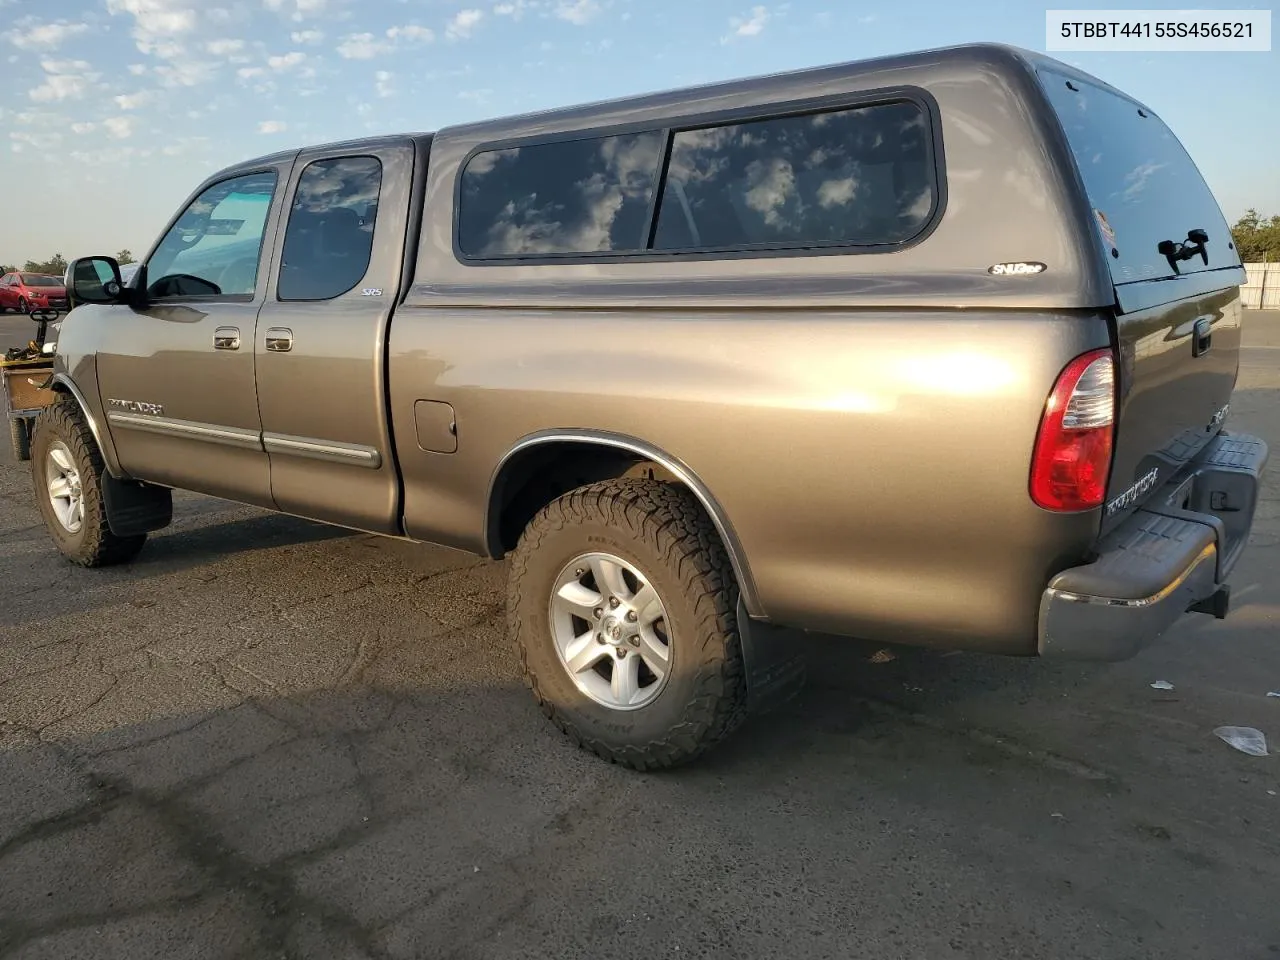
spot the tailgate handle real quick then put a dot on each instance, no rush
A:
(1202, 336)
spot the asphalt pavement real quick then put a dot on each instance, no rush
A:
(268, 738)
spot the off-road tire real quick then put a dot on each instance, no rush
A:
(19, 439)
(662, 530)
(93, 545)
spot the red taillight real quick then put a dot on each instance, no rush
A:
(1072, 457)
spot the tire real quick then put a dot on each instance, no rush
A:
(19, 438)
(661, 533)
(61, 434)
(22, 305)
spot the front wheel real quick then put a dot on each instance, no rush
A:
(622, 604)
(67, 470)
(22, 305)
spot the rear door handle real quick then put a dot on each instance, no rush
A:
(279, 340)
(1202, 336)
(226, 338)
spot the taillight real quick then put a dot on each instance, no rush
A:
(1072, 457)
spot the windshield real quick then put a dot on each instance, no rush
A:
(1143, 186)
(36, 280)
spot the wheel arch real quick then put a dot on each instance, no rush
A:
(63, 384)
(599, 455)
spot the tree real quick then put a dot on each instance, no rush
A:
(1256, 238)
(53, 268)
(124, 256)
(7, 268)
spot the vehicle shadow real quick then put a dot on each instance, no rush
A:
(48, 583)
(403, 812)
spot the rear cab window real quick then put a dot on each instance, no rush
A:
(859, 177)
(1143, 186)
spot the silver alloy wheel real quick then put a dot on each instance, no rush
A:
(610, 631)
(65, 493)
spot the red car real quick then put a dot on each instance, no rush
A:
(25, 292)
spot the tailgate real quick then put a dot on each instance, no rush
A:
(1176, 278)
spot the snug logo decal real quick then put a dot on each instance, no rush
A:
(137, 406)
(1144, 486)
(371, 292)
(1019, 268)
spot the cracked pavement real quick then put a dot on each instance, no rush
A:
(271, 739)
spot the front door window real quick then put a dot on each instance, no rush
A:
(214, 248)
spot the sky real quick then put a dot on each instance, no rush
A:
(112, 111)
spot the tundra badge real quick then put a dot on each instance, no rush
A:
(137, 406)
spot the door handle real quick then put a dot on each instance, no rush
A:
(1202, 336)
(279, 340)
(226, 338)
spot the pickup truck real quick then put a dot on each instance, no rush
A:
(931, 349)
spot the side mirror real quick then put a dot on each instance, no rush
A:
(93, 280)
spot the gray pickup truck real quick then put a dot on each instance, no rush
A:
(934, 349)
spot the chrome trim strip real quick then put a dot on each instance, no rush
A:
(354, 454)
(188, 429)
(737, 556)
(63, 380)
(1209, 552)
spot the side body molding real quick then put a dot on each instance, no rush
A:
(737, 556)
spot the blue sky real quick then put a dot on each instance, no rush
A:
(113, 110)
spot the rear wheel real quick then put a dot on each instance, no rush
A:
(19, 438)
(622, 604)
(67, 469)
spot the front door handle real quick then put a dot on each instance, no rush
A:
(226, 338)
(279, 340)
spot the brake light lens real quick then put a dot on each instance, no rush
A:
(1072, 459)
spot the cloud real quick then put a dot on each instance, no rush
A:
(248, 73)
(156, 19)
(186, 73)
(43, 36)
(306, 36)
(463, 23)
(138, 69)
(83, 128)
(64, 80)
(747, 26)
(411, 32)
(64, 66)
(272, 126)
(132, 101)
(362, 46)
(120, 128)
(298, 9)
(577, 12)
(224, 48)
(287, 61)
(382, 83)
(40, 140)
(108, 155)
